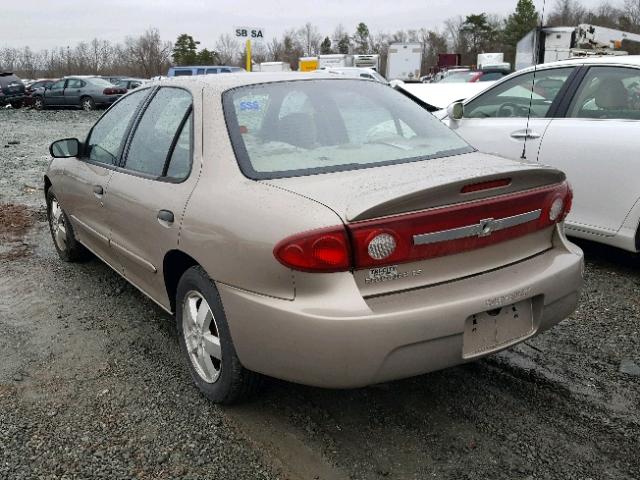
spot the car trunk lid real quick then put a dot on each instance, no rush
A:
(368, 193)
(442, 219)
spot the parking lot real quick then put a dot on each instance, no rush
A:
(92, 381)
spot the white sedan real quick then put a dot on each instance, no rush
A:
(584, 120)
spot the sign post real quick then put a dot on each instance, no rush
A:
(248, 48)
(249, 33)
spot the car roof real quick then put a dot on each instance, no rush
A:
(631, 60)
(228, 81)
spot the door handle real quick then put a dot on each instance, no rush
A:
(98, 190)
(523, 135)
(165, 216)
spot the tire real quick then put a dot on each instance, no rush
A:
(64, 240)
(38, 103)
(87, 104)
(222, 380)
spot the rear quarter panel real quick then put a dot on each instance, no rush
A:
(231, 223)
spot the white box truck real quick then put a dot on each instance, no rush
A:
(549, 44)
(404, 62)
(334, 60)
(367, 61)
(273, 67)
(489, 59)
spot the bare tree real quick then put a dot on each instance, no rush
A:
(275, 50)
(149, 53)
(631, 11)
(100, 55)
(228, 49)
(310, 39)
(433, 43)
(338, 34)
(291, 49)
(455, 35)
(567, 13)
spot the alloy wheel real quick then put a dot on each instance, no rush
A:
(201, 337)
(58, 225)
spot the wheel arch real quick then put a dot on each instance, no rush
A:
(47, 185)
(174, 264)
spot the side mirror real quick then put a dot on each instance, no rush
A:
(65, 148)
(455, 111)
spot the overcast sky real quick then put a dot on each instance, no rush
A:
(50, 23)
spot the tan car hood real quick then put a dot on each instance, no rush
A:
(379, 191)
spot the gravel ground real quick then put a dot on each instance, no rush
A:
(92, 384)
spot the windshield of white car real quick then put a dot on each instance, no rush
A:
(295, 128)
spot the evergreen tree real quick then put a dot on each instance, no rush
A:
(207, 57)
(344, 45)
(480, 34)
(361, 38)
(521, 22)
(325, 46)
(185, 50)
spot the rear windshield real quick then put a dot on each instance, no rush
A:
(304, 127)
(459, 77)
(100, 82)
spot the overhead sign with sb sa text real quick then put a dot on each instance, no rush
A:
(252, 33)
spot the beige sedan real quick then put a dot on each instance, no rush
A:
(320, 230)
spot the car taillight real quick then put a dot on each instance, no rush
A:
(113, 91)
(426, 234)
(323, 250)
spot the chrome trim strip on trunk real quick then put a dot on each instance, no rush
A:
(482, 229)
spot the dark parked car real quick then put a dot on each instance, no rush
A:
(81, 92)
(34, 90)
(11, 90)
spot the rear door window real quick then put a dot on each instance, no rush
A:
(183, 73)
(608, 93)
(158, 133)
(180, 161)
(59, 85)
(513, 97)
(75, 83)
(107, 137)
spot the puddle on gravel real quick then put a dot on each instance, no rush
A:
(15, 223)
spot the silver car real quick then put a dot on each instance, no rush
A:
(317, 229)
(87, 93)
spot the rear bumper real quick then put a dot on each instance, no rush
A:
(334, 338)
(105, 100)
